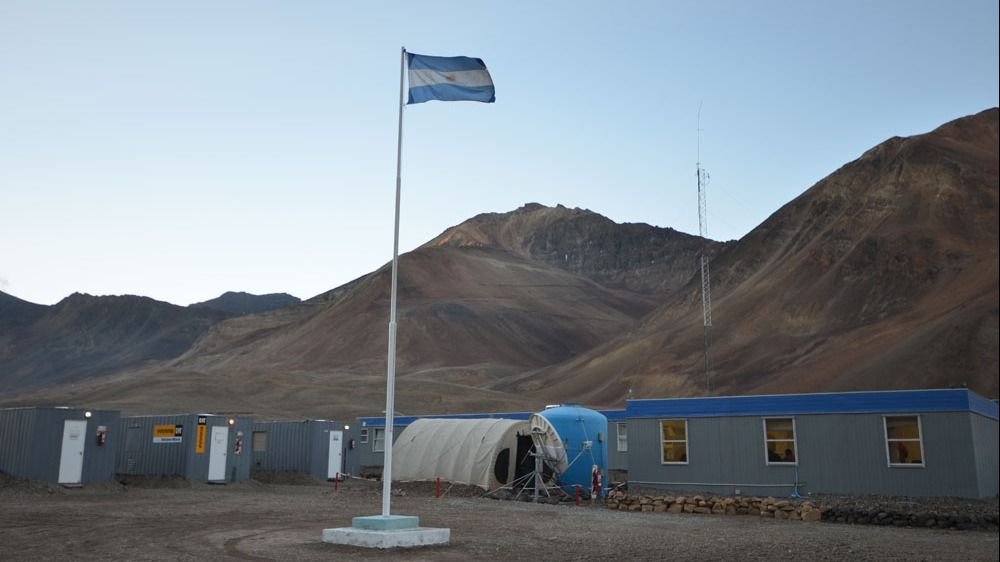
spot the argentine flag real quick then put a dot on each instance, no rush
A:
(448, 79)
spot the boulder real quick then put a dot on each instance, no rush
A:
(812, 515)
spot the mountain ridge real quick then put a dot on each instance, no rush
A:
(881, 275)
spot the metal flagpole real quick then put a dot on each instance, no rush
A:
(390, 383)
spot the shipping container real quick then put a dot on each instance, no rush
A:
(313, 447)
(199, 447)
(69, 446)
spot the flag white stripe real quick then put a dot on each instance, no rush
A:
(469, 78)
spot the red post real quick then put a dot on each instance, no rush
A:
(577, 494)
(437, 488)
(336, 483)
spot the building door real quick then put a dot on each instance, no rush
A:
(335, 463)
(217, 453)
(134, 436)
(71, 458)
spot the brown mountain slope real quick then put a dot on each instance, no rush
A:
(882, 275)
(457, 308)
(84, 335)
(471, 312)
(636, 257)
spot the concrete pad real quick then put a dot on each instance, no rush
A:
(400, 538)
(386, 522)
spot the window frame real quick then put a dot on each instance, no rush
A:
(363, 436)
(919, 439)
(255, 442)
(622, 444)
(686, 441)
(376, 441)
(795, 441)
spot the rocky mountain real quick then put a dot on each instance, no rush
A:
(634, 257)
(496, 296)
(882, 275)
(84, 335)
(238, 303)
(16, 313)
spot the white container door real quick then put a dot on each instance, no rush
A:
(335, 464)
(71, 458)
(217, 453)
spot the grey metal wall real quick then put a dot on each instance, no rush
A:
(985, 440)
(16, 435)
(320, 458)
(139, 455)
(289, 446)
(31, 443)
(298, 446)
(837, 454)
(616, 460)
(362, 455)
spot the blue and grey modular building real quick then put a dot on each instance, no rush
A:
(900, 443)
(903, 443)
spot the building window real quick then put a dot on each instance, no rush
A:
(622, 437)
(673, 434)
(378, 442)
(779, 441)
(364, 435)
(904, 446)
(259, 441)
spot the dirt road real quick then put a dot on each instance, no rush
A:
(255, 521)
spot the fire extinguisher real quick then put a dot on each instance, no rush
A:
(238, 446)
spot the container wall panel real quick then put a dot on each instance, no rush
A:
(138, 454)
(240, 459)
(288, 447)
(617, 460)
(985, 442)
(16, 442)
(836, 454)
(99, 457)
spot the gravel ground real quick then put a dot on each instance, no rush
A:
(167, 520)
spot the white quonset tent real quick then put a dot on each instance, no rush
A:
(479, 452)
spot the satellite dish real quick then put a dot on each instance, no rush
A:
(548, 444)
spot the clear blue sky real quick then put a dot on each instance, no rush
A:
(181, 149)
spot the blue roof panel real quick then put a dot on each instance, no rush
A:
(890, 401)
(614, 415)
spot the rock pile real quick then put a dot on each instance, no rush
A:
(859, 515)
(713, 505)
(964, 515)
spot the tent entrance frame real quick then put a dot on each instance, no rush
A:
(538, 480)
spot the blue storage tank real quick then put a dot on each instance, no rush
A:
(573, 441)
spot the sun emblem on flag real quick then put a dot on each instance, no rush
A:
(449, 77)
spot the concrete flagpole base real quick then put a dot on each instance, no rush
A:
(387, 531)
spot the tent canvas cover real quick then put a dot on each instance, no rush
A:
(478, 452)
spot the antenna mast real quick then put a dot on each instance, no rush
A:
(706, 289)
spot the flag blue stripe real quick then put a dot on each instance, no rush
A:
(444, 64)
(451, 92)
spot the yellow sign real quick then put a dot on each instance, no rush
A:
(163, 431)
(168, 433)
(199, 439)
